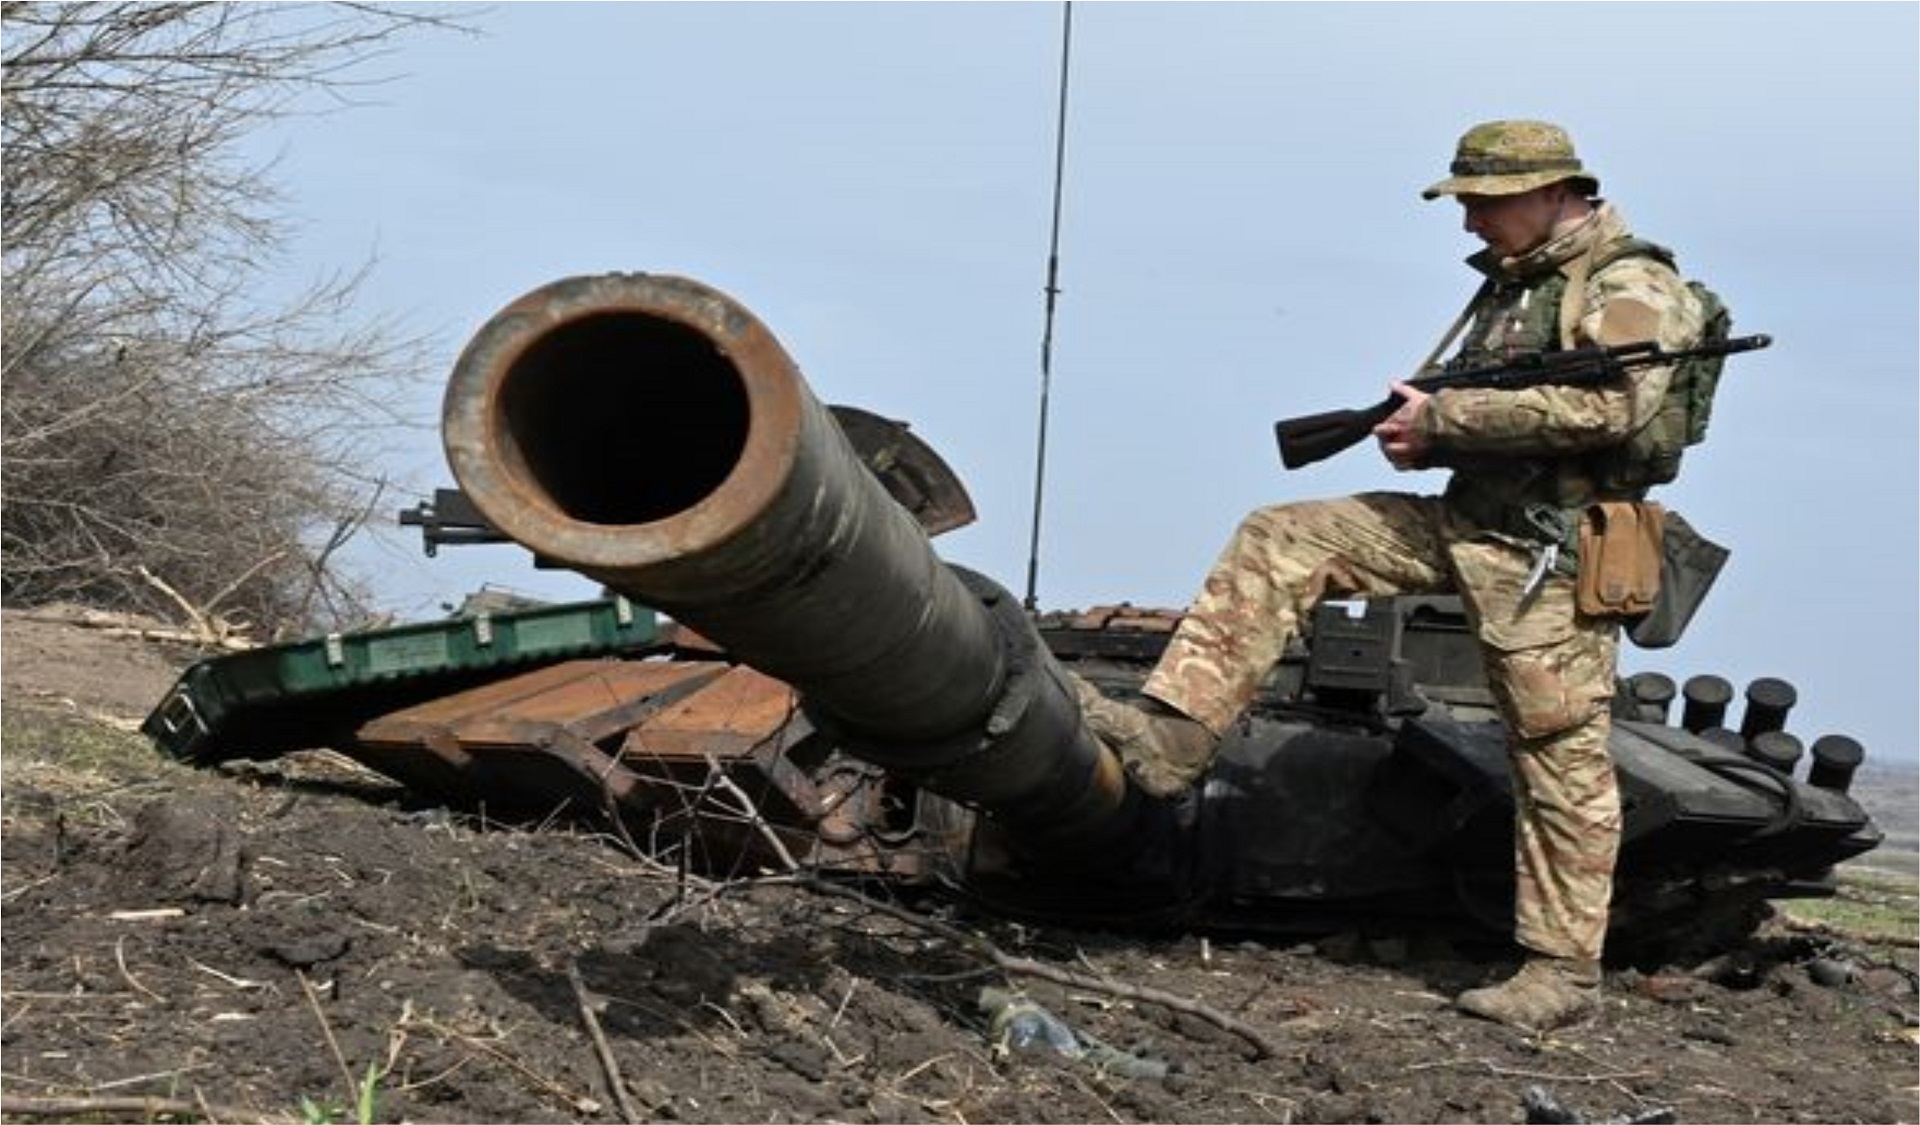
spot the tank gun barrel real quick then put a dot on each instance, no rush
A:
(649, 432)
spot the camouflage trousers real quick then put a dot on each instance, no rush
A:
(1551, 670)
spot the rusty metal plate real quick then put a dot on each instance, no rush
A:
(591, 699)
(740, 713)
(697, 754)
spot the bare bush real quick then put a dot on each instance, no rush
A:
(167, 433)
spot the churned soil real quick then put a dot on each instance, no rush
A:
(303, 941)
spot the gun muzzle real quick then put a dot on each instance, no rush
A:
(649, 432)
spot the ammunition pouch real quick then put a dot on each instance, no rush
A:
(1620, 558)
(1689, 563)
(1651, 574)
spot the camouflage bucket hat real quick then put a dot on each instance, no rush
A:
(1509, 157)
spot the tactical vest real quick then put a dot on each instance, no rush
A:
(1541, 314)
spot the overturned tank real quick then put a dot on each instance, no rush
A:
(826, 692)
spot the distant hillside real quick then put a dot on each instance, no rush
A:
(1891, 794)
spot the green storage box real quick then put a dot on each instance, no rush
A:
(307, 693)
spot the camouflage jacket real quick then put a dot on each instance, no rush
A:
(1511, 450)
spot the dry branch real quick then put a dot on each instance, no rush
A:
(208, 628)
(161, 413)
(608, 1063)
(134, 1109)
(576, 1102)
(1006, 962)
(1023, 966)
(326, 1029)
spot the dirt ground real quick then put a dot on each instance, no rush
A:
(281, 942)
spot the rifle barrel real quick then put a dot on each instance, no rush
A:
(1316, 437)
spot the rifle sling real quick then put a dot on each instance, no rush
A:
(1459, 325)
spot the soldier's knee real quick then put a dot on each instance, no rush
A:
(1537, 696)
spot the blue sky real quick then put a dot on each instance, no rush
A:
(1242, 240)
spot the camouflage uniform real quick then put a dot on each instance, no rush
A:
(1522, 461)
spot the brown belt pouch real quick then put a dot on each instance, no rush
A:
(1620, 555)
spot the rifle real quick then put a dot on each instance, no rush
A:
(1316, 437)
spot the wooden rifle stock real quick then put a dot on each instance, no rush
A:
(1316, 437)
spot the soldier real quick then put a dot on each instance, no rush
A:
(1561, 271)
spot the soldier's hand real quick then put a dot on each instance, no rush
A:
(1400, 437)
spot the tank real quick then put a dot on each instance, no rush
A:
(826, 692)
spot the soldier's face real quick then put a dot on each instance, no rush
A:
(1511, 225)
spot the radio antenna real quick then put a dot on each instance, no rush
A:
(1053, 293)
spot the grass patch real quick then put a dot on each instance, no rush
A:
(54, 760)
(75, 742)
(1872, 905)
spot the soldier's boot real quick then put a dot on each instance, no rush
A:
(1546, 993)
(1163, 750)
